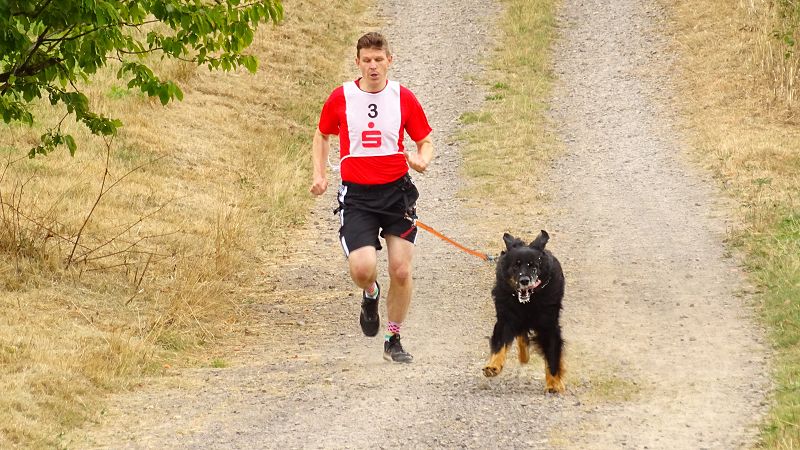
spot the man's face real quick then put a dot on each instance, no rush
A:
(374, 65)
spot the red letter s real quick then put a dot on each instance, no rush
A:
(371, 139)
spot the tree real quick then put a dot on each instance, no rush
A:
(48, 46)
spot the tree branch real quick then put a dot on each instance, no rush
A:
(24, 69)
(36, 13)
(91, 211)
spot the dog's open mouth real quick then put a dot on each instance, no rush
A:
(524, 292)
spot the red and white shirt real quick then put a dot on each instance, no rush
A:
(370, 126)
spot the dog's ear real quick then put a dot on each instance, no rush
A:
(509, 240)
(540, 240)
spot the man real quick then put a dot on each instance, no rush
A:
(377, 197)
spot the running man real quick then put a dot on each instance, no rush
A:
(377, 196)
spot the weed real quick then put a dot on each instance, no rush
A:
(117, 93)
(475, 117)
(218, 363)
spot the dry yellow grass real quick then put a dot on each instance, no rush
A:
(207, 190)
(746, 132)
(740, 99)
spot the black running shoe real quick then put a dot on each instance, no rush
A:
(369, 319)
(393, 351)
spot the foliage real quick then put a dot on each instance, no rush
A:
(47, 47)
(789, 18)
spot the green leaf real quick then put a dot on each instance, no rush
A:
(70, 144)
(176, 91)
(163, 95)
(250, 63)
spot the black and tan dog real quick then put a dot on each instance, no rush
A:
(527, 297)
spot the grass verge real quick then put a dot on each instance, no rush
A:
(739, 81)
(510, 130)
(99, 291)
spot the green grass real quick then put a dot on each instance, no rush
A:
(775, 264)
(475, 117)
(218, 363)
(117, 92)
(611, 388)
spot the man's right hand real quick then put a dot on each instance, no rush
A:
(319, 186)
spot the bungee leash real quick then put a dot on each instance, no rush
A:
(411, 215)
(432, 231)
(417, 223)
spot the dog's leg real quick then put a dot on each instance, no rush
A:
(522, 348)
(554, 383)
(501, 339)
(496, 362)
(552, 347)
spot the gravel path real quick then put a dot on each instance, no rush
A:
(662, 352)
(655, 294)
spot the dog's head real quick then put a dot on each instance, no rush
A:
(524, 267)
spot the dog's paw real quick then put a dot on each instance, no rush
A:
(492, 371)
(554, 385)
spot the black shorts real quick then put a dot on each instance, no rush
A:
(367, 211)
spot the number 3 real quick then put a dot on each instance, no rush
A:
(373, 111)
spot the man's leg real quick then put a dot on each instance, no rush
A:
(363, 270)
(400, 252)
(401, 283)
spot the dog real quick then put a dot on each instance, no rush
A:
(527, 297)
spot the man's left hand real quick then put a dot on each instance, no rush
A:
(416, 161)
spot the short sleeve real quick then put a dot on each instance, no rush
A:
(329, 117)
(416, 123)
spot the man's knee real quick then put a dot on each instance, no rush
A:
(362, 266)
(361, 274)
(401, 272)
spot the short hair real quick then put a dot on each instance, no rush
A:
(373, 39)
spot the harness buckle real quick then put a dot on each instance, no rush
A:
(411, 215)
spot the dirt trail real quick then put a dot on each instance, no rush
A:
(651, 310)
(655, 294)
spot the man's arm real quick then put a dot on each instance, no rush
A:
(320, 147)
(420, 159)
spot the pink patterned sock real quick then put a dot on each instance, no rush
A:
(393, 328)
